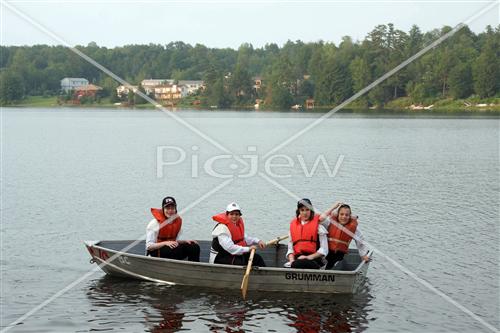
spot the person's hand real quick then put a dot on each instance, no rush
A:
(291, 258)
(253, 247)
(303, 257)
(192, 242)
(262, 245)
(171, 244)
(366, 258)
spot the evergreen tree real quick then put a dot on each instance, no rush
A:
(11, 87)
(460, 81)
(486, 72)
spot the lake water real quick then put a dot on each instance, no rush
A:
(426, 189)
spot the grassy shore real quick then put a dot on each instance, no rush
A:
(399, 104)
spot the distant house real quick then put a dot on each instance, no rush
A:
(309, 103)
(168, 93)
(123, 91)
(189, 87)
(150, 84)
(86, 90)
(257, 83)
(70, 83)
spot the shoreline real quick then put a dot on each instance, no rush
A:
(446, 106)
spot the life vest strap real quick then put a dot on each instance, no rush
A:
(164, 239)
(304, 240)
(337, 241)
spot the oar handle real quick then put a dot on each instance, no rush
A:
(250, 261)
(276, 240)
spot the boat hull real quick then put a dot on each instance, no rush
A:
(202, 274)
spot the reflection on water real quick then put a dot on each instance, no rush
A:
(164, 308)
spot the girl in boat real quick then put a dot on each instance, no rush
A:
(162, 234)
(230, 244)
(342, 227)
(308, 243)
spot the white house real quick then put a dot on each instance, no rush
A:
(124, 90)
(167, 92)
(189, 87)
(71, 83)
(150, 84)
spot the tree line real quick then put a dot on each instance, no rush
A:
(467, 64)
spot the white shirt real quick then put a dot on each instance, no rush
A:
(323, 241)
(358, 238)
(223, 234)
(153, 229)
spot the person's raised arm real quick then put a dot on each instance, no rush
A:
(329, 211)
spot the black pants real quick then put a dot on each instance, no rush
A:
(240, 260)
(333, 257)
(308, 264)
(182, 251)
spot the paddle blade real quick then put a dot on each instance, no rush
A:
(244, 286)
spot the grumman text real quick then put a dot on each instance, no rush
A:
(310, 277)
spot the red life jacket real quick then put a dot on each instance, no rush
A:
(168, 232)
(339, 239)
(237, 230)
(304, 237)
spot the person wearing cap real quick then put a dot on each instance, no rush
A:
(162, 234)
(342, 227)
(230, 244)
(308, 244)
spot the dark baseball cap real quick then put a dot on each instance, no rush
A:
(168, 201)
(304, 203)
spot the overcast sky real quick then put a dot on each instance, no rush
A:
(226, 24)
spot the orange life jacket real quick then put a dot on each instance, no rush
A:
(338, 238)
(237, 230)
(168, 232)
(304, 237)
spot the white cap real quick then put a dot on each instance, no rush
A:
(232, 207)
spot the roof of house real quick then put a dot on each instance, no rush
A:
(184, 82)
(89, 87)
(75, 78)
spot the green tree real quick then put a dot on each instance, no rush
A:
(334, 84)
(360, 73)
(280, 84)
(240, 85)
(131, 97)
(460, 81)
(486, 72)
(280, 97)
(11, 87)
(138, 99)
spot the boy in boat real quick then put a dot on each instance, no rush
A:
(342, 226)
(162, 234)
(230, 244)
(308, 244)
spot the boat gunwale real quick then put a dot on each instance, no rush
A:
(94, 244)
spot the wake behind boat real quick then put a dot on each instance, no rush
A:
(121, 258)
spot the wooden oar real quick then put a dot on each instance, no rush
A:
(244, 282)
(276, 240)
